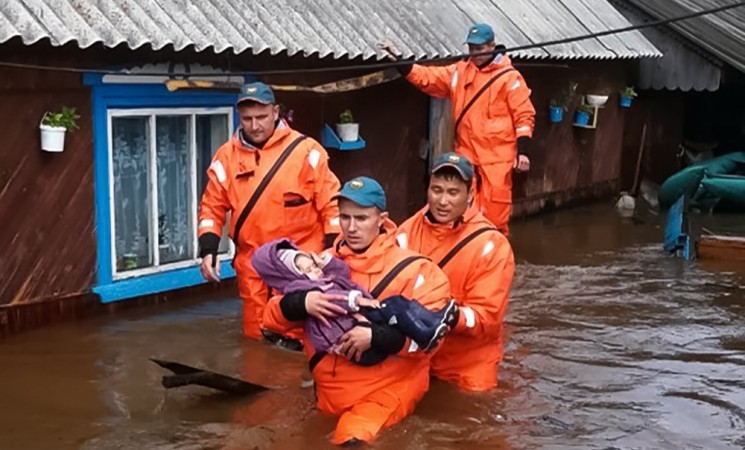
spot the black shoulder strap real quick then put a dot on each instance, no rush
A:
(315, 359)
(390, 276)
(459, 246)
(262, 186)
(478, 94)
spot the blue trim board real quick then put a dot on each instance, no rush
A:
(156, 283)
(105, 97)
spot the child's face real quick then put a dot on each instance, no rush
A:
(308, 266)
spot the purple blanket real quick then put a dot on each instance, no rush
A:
(284, 280)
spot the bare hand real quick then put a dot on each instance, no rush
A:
(320, 306)
(522, 163)
(392, 52)
(210, 268)
(319, 260)
(369, 303)
(355, 342)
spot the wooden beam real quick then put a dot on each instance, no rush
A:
(345, 85)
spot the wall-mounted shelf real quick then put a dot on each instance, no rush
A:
(593, 120)
(330, 139)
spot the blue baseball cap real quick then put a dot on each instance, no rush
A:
(363, 191)
(480, 34)
(458, 162)
(256, 92)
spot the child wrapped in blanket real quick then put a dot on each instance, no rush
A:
(286, 269)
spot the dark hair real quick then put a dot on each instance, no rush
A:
(450, 173)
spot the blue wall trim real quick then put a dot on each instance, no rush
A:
(108, 96)
(156, 283)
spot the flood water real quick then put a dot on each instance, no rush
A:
(612, 345)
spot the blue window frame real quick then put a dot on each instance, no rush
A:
(164, 117)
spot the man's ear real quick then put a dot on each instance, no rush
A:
(275, 112)
(383, 217)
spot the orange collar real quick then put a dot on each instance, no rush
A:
(467, 217)
(373, 259)
(280, 132)
(496, 65)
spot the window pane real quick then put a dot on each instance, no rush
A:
(131, 161)
(213, 130)
(175, 228)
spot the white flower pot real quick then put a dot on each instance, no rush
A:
(52, 138)
(348, 132)
(596, 100)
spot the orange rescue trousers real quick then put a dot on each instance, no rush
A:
(493, 194)
(498, 213)
(380, 410)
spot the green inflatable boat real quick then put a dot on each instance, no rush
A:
(723, 191)
(718, 182)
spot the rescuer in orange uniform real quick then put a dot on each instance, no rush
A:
(495, 131)
(479, 263)
(275, 183)
(367, 398)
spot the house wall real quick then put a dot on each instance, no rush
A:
(392, 120)
(46, 199)
(570, 165)
(663, 113)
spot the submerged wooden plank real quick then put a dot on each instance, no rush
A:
(186, 375)
(721, 247)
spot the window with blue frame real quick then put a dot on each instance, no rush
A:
(152, 150)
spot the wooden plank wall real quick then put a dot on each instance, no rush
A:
(393, 122)
(567, 162)
(46, 199)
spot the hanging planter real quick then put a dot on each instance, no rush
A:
(556, 114)
(347, 129)
(53, 127)
(627, 95)
(52, 138)
(596, 100)
(562, 102)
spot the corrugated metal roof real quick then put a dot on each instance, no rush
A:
(336, 28)
(684, 65)
(723, 34)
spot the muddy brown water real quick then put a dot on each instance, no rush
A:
(612, 345)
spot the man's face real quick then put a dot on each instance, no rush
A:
(448, 197)
(359, 225)
(476, 49)
(258, 121)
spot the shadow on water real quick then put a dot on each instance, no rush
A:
(611, 345)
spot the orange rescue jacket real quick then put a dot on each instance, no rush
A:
(296, 204)
(488, 133)
(401, 378)
(480, 276)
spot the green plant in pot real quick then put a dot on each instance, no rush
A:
(347, 129)
(627, 94)
(53, 127)
(565, 100)
(584, 112)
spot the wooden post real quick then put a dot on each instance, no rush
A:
(635, 186)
